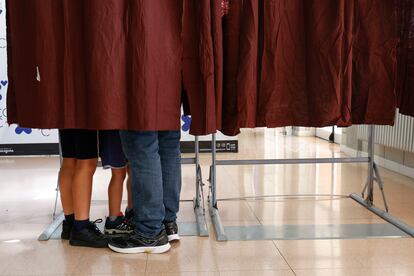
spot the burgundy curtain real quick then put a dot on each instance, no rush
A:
(95, 64)
(203, 63)
(309, 63)
(126, 64)
(405, 87)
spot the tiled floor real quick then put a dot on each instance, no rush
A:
(27, 195)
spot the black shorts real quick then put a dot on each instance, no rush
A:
(79, 143)
(110, 150)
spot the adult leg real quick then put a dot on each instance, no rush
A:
(171, 174)
(142, 151)
(169, 143)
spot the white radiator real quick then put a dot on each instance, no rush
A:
(400, 136)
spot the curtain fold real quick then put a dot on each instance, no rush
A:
(309, 63)
(405, 84)
(128, 64)
(95, 64)
(203, 64)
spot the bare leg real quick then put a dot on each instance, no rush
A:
(82, 187)
(115, 190)
(66, 174)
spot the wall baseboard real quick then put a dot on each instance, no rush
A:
(303, 131)
(388, 164)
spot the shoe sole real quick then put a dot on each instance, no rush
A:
(86, 244)
(136, 250)
(174, 237)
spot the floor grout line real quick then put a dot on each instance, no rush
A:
(283, 256)
(146, 264)
(254, 213)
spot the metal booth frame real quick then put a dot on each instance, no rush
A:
(366, 199)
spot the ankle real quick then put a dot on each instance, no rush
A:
(70, 218)
(79, 225)
(114, 217)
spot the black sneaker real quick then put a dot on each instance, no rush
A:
(119, 226)
(91, 236)
(172, 231)
(129, 215)
(66, 229)
(137, 243)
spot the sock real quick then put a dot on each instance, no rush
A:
(114, 218)
(70, 218)
(79, 225)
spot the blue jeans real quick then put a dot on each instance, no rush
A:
(155, 163)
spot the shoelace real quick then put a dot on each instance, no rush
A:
(95, 228)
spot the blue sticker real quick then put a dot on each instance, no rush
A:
(4, 82)
(20, 130)
(187, 123)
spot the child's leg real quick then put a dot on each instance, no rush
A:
(87, 158)
(115, 189)
(85, 233)
(116, 223)
(82, 187)
(67, 171)
(112, 156)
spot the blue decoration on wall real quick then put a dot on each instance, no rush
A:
(187, 123)
(20, 130)
(3, 83)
